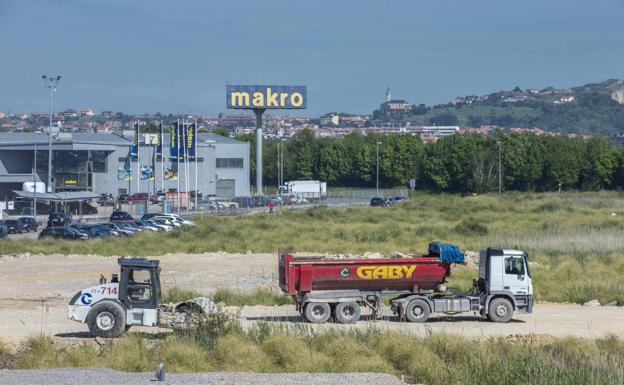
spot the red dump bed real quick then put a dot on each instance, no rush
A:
(303, 274)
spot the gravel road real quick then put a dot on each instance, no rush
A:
(111, 377)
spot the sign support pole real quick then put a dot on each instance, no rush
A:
(259, 112)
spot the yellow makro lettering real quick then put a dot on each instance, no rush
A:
(258, 99)
(240, 99)
(271, 99)
(386, 272)
(296, 99)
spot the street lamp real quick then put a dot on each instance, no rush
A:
(377, 185)
(50, 82)
(500, 181)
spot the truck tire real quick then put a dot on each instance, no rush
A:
(347, 312)
(500, 310)
(317, 312)
(107, 319)
(417, 310)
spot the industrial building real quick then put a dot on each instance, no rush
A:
(101, 163)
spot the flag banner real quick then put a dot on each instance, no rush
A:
(147, 173)
(159, 144)
(124, 173)
(191, 130)
(134, 149)
(181, 141)
(173, 141)
(170, 174)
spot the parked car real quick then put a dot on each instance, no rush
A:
(15, 227)
(379, 202)
(147, 226)
(166, 221)
(29, 223)
(174, 217)
(106, 229)
(3, 230)
(118, 229)
(122, 198)
(121, 216)
(91, 230)
(162, 226)
(59, 220)
(199, 195)
(128, 225)
(63, 232)
(399, 198)
(138, 197)
(106, 199)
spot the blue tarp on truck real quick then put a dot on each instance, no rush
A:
(446, 252)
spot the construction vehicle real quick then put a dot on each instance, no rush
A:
(325, 288)
(131, 298)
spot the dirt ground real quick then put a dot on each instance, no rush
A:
(36, 288)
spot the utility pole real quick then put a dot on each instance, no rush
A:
(51, 82)
(258, 112)
(377, 185)
(500, 181)
(35, 178)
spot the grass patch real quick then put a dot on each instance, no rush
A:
(260, 296)
(434, 359)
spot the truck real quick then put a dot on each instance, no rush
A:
(305, 189)
(328, 288)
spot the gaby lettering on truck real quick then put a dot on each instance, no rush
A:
(386, 272)
(266, 97)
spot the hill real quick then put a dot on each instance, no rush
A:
(596, 108)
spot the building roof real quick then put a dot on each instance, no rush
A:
(78, 140)
(62, 141)
(65, 196)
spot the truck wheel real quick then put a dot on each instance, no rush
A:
(317, 312)
(107, 319)
(347, 312)
(500, 310)
(417, 310)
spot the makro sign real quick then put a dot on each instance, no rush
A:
(386, 272)
(266, 97)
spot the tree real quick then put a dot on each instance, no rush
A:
(221, 131)
(444, 119)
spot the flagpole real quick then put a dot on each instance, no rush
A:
(138, 142)
(185, 144)
(196, 155)
(162, 158)
(177, 135)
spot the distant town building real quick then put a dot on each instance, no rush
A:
(107, 113)
(87, 112)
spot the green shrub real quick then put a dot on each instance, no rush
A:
(471, 227)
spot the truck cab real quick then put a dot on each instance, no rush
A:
(130, 298)
(505, 273)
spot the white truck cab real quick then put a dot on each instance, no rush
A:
(504, 273)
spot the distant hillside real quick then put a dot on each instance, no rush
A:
(590, 109)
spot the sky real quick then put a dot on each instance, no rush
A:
(148, 56)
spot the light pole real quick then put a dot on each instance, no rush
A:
(35, 178)
(50, 82)
(377, 185)
(500, 181)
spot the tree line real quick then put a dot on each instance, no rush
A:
(458, 163)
